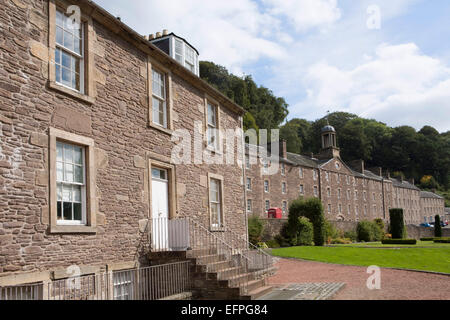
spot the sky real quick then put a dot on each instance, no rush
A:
(387, 60)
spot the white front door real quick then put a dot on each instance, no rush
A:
(160, 209)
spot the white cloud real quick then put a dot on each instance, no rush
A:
(400, 85)
(305, 14)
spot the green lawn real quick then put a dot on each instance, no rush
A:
(430, 244)
(433, 258)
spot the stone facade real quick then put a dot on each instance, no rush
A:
(113, 113)
(349, 192)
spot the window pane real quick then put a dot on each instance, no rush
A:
(59, 210)
(59, 171)
(77, 45)
(66, 60)
(67, 193)
(77, 155)
(66, 77)
(68, 40)
(68, 153)
(59, 36)
(78, 174)
(211, 115)
(68, 172)
(58, 73)
(59, 18)
(58, 56)
(77, 211)
(67, 211)
(59, 191)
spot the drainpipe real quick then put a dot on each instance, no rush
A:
(244, 175)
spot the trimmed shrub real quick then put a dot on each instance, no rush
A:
(437, 226)
(380, 223)
(312, 209)
(397, 223)
(255, 230)
(442, 240)
(399, 241)
(377, 231)
(427, 239)
(351, 235)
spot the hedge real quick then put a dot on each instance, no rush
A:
(442, 240)
(427, 239)
(399, 241)
(313, 210)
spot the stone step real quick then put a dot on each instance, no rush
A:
(217, 266)
(194, 253)
(236, 280)
(226, 273)
(256, 293)
(210, 258)
(253, 285)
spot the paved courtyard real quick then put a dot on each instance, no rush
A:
(299, 280)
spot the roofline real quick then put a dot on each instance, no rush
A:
(121, 29)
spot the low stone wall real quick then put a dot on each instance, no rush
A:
(272, 227)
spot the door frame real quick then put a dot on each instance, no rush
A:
(171, 180)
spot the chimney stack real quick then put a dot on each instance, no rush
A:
(283, 149)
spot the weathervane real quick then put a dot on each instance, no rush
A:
(328, 114)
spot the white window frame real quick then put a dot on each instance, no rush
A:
(212, 129)
(159, 98)
(266, 186)
(217, 203)
(283, 187)
(267, 205)
(249, 205)
(83, 220)
(249, 184)
(72, 53)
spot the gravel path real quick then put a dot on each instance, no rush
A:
(395, 284)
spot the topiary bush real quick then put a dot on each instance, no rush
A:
(442, 240)
(255, 230)
(397, 223)
(313, 210)
(427, 239)
(437, 226)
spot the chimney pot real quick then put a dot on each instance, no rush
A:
(165, 32)
(158, 34)
(151, 36)
(146, 37)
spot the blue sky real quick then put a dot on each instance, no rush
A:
(320, 54)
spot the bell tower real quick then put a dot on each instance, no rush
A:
(329, 145)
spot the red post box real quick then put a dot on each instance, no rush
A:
(275, 213)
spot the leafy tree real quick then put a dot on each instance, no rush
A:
(255, 230)
(312, 209)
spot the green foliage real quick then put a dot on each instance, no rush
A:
(427, 239)
(399, 241)
(305, 235)
(369, 231)
(380, 223)
(351, 235)
(397, 223)
(341, 241)
(283, 238)
(331, 232)
(268, 110)
(437, 226)
(312, 209)
(272, 243)
(442, 240)
(255, 230)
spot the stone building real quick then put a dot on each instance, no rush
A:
(432, 205)
(349, 191)
(88, 112)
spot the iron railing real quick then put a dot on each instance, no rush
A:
(149, 283)
(224, 253)
(33, 291)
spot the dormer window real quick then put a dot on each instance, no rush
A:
(179, 49)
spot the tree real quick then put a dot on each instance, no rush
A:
(397, 224)
(312, 209)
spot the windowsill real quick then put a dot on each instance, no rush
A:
(71, 229)
(162, 129)
(217, 229)
(57, 87)
(213, 150)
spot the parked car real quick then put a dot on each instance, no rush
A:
(443, 224)
(426, 225)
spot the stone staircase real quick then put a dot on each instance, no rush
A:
(216, 276)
